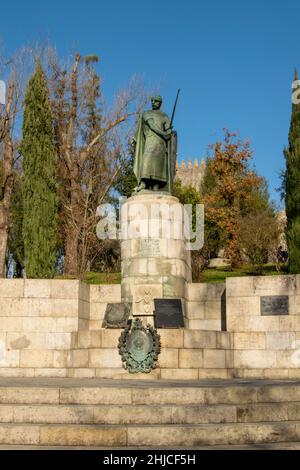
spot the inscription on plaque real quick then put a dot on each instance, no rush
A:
(149, 248)
(168, 313)
(274, 305)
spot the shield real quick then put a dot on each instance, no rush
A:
(139, 347)
(172, 156)
(139, 344)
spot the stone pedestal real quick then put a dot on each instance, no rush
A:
(155, 262)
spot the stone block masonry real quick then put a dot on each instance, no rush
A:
(37, 321)
(155, 262)
(54, 328)
(203, 306)
(265, 346)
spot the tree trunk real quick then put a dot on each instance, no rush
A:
(18, 270)
(7, 183)
(71, 252)
(73, 226)
(3, 240)
(5, 203)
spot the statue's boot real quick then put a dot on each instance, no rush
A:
(141, 186)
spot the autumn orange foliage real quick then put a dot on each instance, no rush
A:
(233, 192)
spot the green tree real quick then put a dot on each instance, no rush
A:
(126, 180)
(39, 185)
(258, 238)
(292, 190)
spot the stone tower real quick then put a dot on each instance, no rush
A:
(191, 174)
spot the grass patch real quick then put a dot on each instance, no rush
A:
(102, 278)
(96, 278)
(220, 274)
(213, 275)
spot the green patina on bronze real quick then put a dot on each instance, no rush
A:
(155, 147)
(139, 347)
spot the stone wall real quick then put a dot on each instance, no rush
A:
(54, 328)
(37, 318)
(204, 306)
(40, 318)
(191, 174)
(185, 355)
(264, 346)
(100, 296)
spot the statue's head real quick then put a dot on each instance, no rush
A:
(156, 101)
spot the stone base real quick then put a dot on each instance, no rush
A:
(53, 329)
(155, 262)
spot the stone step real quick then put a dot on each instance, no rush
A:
(146, 414)
(141, 414)
(116, 414)
(183, 374)
(112, 392)
(258, 446)
(116, 373)
(149, 435)
(157, 374)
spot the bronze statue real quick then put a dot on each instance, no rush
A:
(154, 147)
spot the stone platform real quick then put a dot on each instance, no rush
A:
(155, 262)
(54, 328)
(137, 414)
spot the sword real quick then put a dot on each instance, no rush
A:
(169, 142)
(174, 108)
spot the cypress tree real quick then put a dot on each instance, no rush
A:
(39, 185)
(292, 189)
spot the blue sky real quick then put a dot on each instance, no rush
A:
(233, 60)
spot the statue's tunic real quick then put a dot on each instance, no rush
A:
(154, 148)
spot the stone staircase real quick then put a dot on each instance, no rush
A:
(148, 414)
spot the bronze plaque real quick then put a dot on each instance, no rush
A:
(168, 313)
(274, 305)
(139, 346)
(116, 315)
